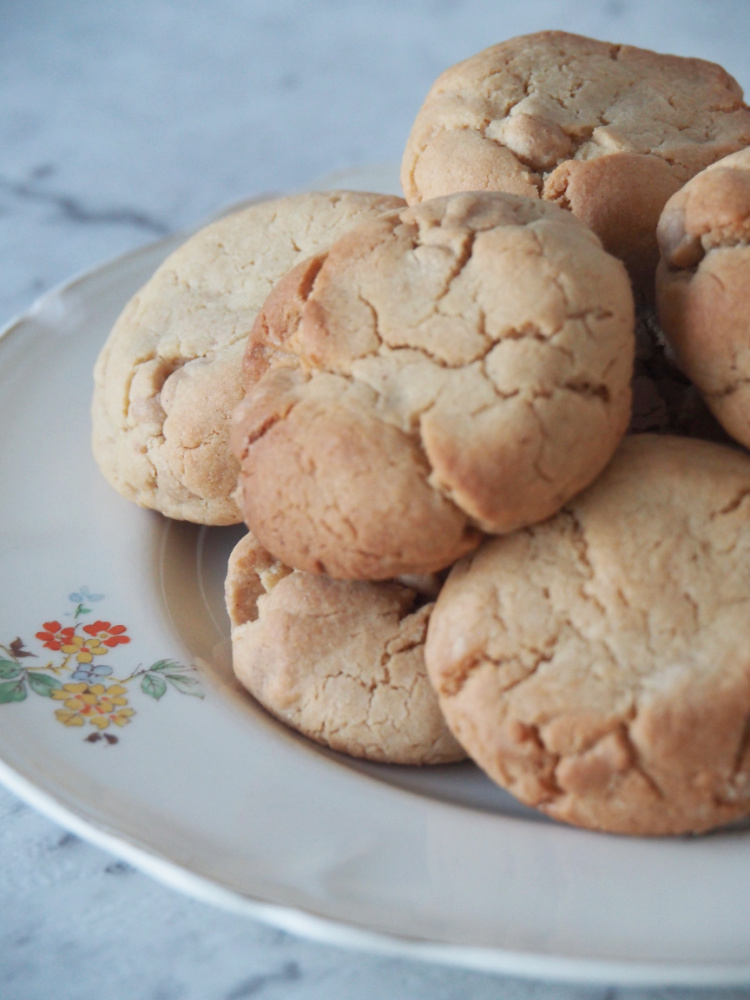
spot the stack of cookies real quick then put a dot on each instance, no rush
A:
(420, 409)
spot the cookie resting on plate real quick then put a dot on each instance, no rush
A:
(703, 287)
(341, 662)
(598, 665)
(455, 367)
(607, 131)
(169, 375)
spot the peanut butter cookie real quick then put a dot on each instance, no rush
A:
(170, 373)
(703, 287)
(607, 131)
(341, 662)
(455, 367)
(597, 665)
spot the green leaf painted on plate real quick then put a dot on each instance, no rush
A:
(8, 669)
(13, 691)
(185, 684)
(166, 665)
(43, 684)
(153, 685)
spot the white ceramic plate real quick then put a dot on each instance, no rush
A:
(146, 748)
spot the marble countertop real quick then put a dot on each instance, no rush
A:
(121, 123)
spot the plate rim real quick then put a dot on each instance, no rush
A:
(316, 927)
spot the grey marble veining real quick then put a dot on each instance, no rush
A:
(122, 122)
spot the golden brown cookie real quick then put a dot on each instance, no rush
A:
(703, 287)
(597, 665)
(459, 366)
(169, 375)
(341, 663)
(607, 131)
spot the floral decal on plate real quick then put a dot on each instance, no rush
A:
(85, 689)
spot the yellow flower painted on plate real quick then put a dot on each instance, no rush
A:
(69, 718)
(93, 703)
(85, 650)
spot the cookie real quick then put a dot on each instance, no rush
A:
(340, 662)
(607, 131)
(702, 287)
(170, 373)
(597, 665)
(457, 367)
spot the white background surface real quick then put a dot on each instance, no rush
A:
(119, 123)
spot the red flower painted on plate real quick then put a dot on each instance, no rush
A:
(54, 635)
(107, 633)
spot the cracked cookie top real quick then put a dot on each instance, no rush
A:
(455, 367)
(702, 287)
(608, 131)
(340, 662)
(169, 375)
(597, 665)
